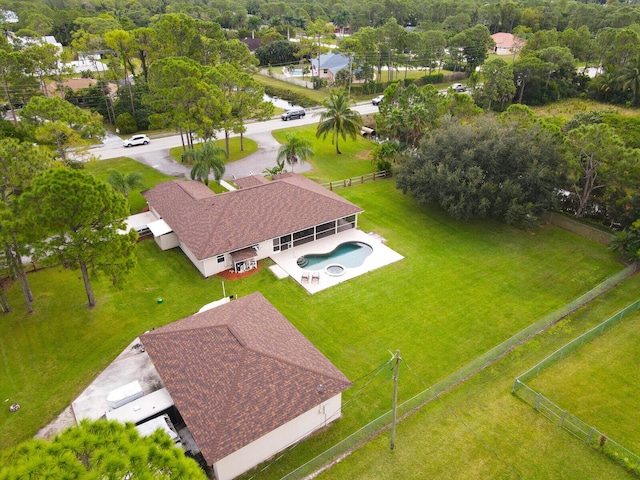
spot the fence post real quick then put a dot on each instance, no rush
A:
(515, 386)
(564, 415)
(362, 179)
(537, 406)
(590, 435)
(331, 186)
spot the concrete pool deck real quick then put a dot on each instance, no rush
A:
(380, 257)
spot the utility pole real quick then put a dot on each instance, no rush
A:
(396, 371)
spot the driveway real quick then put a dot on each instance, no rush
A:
(156, 154)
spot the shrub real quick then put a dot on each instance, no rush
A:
(125, 123)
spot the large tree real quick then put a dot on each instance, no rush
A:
(498, 85)
(19, 163)
(490, 168)
(597, 158)
(78, 221)
(61, 125)
(100, 449)
(407, 113)
(338, 119)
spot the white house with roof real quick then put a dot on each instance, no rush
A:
(507, 43)
(328, 65)
(245, 381)
(233, 230)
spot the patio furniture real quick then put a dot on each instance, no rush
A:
(305, 277)
(315, 277)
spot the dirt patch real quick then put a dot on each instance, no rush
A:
(231, 275)
(366, 155)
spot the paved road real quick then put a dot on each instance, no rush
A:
(156, 154)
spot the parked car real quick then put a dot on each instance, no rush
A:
(293, 113)
(458, 87)
(377, 100)
(136, 140)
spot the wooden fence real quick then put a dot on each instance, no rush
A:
(348, 182)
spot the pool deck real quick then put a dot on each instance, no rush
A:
(380, 257)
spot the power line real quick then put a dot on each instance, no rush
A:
(375, 372)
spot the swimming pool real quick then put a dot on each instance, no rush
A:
(348, 255)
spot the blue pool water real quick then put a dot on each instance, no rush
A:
(348, 254)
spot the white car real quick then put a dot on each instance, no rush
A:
(136, 140)
(458, 87)
(377, 100)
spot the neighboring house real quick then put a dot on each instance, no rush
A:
(75, 84)
(8, 16)
(328, 65)
(507, 43)
(252, 43)
(245, 381)
(346, 30)
(26, 41)
(233, 230)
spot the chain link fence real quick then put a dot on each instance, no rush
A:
(383, 422)
(566, 420)
(580, 429)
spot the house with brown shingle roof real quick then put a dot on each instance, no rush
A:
(245, 381)
(233, 230)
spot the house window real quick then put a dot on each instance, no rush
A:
(220, 258)
(276, 244)
(325, 71)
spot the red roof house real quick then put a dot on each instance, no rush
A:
(245, 381)
(507, 43)
(233, 230)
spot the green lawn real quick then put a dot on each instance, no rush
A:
(101, 168)
(600, 383)
(457, 293)
(480, 430)
(327, 165)
(316, 95)
(235, 152)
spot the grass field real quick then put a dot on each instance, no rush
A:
(600, 382)
(457, 294)
(327, 166)
(316, 95)
(480, 430)
(151, 176)
(461, 289)
(235, 153)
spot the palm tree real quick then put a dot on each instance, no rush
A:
(209, 158)
(124, 183)
(630, 77)
(338, 118)
(295, 149)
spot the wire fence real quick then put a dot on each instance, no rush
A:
(580, 429)
(383, 422)
(574, 344)
(566, 420)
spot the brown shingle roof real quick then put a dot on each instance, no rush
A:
(211, 224)
(251, 181)
(238, 371)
